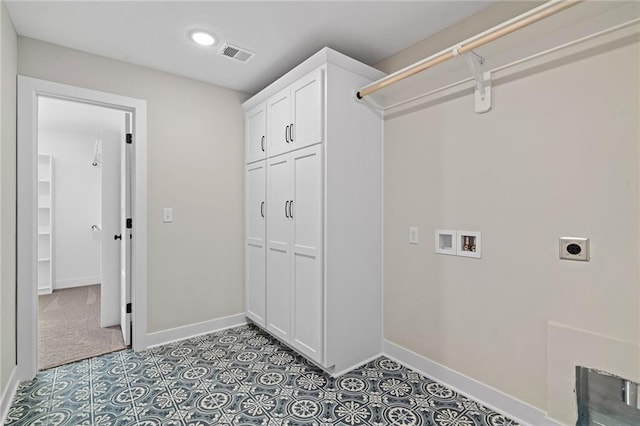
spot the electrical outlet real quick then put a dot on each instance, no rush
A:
(414, 235)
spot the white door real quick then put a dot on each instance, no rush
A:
(279, 115)
(110, 247)
(307, 110)
(255, 249)
(279, 247)
(125, 232)
(306, 272)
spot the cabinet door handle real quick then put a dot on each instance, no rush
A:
(262, 144)
(291, 132)
(291, 209)
(262, 209)
(286, 134)
(286, 212)
(117, 237)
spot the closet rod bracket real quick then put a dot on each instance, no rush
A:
(482, 97)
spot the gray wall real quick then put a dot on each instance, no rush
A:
(195, 157)
(8, 66)
(556, 156)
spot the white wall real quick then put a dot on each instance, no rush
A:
(195, 153)
(556, 156)
(8, 68)
(77, 205)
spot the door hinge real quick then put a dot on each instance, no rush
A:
(128, 308)
(129, 138)
(129, 223)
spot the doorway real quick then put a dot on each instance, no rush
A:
(78, 215)
(131, 275)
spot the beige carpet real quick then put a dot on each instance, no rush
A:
(69, 327)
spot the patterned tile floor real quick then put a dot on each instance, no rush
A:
(239, 376)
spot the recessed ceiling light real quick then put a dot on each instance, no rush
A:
(202, 38)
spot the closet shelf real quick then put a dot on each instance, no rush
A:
(45, 224)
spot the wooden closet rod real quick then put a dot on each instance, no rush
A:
(507, 27)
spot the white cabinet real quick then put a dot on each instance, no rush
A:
(45, 224)
(279, 247)
(305, 214)
(295, 115)
(255, 267)
(256, 133)
(279, 108)
(294, 249)
(322, 287)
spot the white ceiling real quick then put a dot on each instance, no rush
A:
(75, 117)
(281, 33)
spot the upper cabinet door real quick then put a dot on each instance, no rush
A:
(307, 110)
(295, 115)
(279, 112)
(255, 139)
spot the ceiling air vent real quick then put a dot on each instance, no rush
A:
(235, 52)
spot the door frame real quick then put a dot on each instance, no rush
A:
(29, 89)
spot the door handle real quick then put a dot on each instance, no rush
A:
(291, 132)
(286, 134)
(286, 212)
(262, 144)
(291, 209)
(262, 209)
(117, 237)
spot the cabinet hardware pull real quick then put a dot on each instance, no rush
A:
(291, 209)
(262, 209)
(117, 237)
(286, 134)
(291, 132)
(262, 144)
(286, 205)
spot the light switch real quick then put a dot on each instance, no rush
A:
(167, 215)
(414, 236)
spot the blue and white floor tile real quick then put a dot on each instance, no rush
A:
(239, 376)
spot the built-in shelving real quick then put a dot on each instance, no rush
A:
(45, 224)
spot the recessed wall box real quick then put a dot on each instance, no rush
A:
(469, 244)
(445, 241)
(575, 248)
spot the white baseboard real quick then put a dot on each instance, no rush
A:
(496, 400)
(160, 338)
(8, 393)
(76, 282)
(337, 374)
(44, 291)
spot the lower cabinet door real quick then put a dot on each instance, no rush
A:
(279, 247)
(306, 252)
(255, 247)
